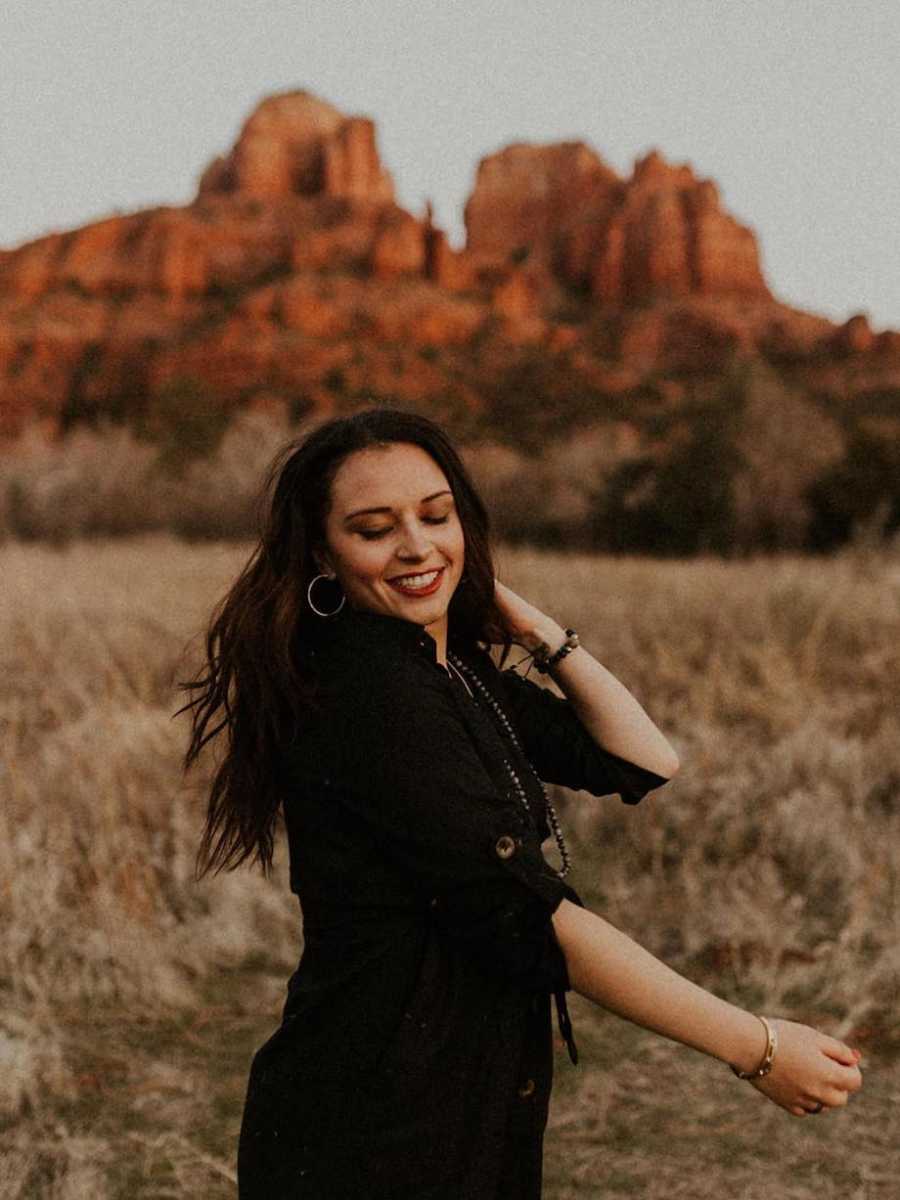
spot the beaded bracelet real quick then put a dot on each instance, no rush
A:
(544, 663)
(766, 1065)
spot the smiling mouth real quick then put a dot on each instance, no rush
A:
(422, 583)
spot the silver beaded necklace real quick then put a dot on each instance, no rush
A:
(463, 670)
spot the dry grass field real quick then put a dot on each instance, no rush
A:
(131, 998)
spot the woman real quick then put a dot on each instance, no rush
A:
(349, 666)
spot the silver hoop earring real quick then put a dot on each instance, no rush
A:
(318, 611)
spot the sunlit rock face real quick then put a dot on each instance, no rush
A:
(661, 233)
(295, 274)
(295, 144)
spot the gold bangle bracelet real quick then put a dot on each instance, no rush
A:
(766, 1065)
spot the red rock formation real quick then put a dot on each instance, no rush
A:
(444, 265)
(658, 235)
(294, 277)
(295, 144)
(398, 247)
(528, 198)
(855, 336)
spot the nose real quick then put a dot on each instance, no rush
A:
(415, 544)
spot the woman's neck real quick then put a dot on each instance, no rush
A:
(438, 630)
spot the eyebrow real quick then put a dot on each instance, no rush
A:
(386, 508)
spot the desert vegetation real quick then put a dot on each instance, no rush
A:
(131, 997)
(735, 464)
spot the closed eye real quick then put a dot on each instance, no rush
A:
(371, 534)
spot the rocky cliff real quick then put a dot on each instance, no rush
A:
(659, 234)
(294, 277)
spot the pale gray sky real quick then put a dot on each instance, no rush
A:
(792, 106)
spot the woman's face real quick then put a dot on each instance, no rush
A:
(393, 536)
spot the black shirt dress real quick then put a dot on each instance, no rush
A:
(414, 1058)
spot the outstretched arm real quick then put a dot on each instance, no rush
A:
(606, 708)
(606, 966)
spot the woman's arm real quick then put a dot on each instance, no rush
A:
(606, 966)
(609, 712)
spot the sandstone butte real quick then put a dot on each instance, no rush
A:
(295, 278)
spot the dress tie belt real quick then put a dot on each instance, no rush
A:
(318, 933)
(565, 1024)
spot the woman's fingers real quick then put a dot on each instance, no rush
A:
(823, 1102)
(837, 1087)
(846, 1078)
(840, 1052)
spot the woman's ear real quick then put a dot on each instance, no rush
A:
(323, 566)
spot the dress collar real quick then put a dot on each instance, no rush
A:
(364, 628)
(386, 626)
(367, 626)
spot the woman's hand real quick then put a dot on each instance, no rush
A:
(809, 1068)
(527, 625)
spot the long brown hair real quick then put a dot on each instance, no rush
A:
(252, 688)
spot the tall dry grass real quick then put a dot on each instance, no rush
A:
(768, 869)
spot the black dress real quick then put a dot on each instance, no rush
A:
(414, 1059)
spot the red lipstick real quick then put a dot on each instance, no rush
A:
(422, 591)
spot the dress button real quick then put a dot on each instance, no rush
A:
(526, 1089)
(506, 846)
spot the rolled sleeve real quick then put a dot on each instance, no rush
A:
(561, 749)
(394, 753)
